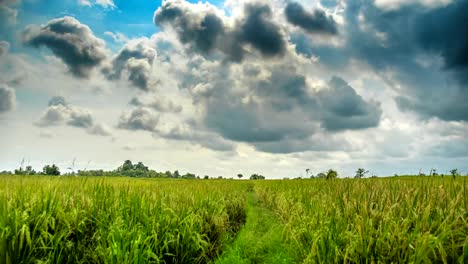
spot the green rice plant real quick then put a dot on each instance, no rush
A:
(404, 220)
(117, 220)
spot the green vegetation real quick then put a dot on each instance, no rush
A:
(399, 220)
(361, 173)
(117, 220)
(261, 240)
(128, 220)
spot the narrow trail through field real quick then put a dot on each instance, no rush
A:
(260, 240)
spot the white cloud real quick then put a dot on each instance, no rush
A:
(104, 3)
(397, 4)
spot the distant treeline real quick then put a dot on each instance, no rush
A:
(139, 170)
(129, 169)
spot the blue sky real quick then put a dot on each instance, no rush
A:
(273, 87)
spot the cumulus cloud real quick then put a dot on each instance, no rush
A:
(316, 22)
(140, 118)
(345, 109)
(273, 108)
(159, 104)
(100, 130)
(135, 60)
(205, 30)
(4, 47)
(7, 98)
(440, 32)
(59, 112)
(143, 118)
(74, 43)
(259, 31)
(80, 118)
(420, 52)
(196, 24)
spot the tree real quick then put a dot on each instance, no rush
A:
(360, 173)
(331, 174)
(454, 173)
(51, 170)
(307, 172)
(322, 175)
(19, 171)
(240, 176)
(134, 170)
(127, 166)
(257, 177)
(141, 167)
(189, 176)
(176, 174)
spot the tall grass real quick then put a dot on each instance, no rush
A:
(74, 220)
(412, 220)
(121, 220)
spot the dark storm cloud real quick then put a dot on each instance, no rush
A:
(344, 109)
(135, 59)
(316, 142)
(316, 22)
(140, 118)
(444, 32)
(201, 31)
(72, 42)
(407, 43)
(7, 98)
(259, 31)
(280, 114)
(205, 32)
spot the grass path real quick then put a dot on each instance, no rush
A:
(260, 240)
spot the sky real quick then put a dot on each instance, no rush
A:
(226, 87)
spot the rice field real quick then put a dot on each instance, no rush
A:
(409, 220)
(116, 220)
(123, 220)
